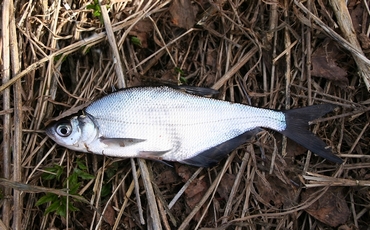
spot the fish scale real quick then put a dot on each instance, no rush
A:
(193, 123)
(168, 124)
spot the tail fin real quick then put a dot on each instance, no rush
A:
(297, 129)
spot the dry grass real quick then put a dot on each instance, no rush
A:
(55, 59)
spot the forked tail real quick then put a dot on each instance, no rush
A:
(297, 129)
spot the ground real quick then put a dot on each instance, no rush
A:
(58, 56)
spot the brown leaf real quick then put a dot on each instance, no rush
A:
(184, 171)
(196, 187)
(167, 177)
(364, 40)
(211, 58)
(276, 192)
(356, 12)
(331, 208)
(183, 13)
(324, 65)
(196, 190)
(142, 30)
(109, 215)
(129, 222)
(225, 186)
(194, 194)
(292, 149)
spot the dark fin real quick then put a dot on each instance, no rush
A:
(297, 129)
(200, 91)
(213, 155)
(120, 142)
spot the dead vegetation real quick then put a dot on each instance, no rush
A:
(58, 56)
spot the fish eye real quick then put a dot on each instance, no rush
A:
(64, 130)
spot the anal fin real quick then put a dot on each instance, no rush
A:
(213, 155)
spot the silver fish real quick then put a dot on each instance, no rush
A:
(163, 123)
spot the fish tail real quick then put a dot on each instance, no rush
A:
(297, 129)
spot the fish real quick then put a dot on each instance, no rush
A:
(169, 124)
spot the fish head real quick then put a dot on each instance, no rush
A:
(75, 132)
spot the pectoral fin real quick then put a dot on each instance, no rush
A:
(120, 142)
(213, 155)
(130, 147)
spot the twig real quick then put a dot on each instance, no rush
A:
(147, 10)
(125, 202)
(113, 44)
(164, 47)
(6, 12)
(235, 68)
(10, 53)
(184, 187)
(353, 113)
(18, 123)
(354, 144)
(357, 156)
(308, 56)
(353, 209)
(163, 214)
(344, 21)
(96, 198)
(98, 225)
(235, 187)
(137, 191)
(272, 78)
(317, 180)
(279, 214)
(152, 204)
(162, 204)
(87, 42)
(38, 189)
(362, 62)
(211, 189)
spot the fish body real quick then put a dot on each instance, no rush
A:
(168, 124)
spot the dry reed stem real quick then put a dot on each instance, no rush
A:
(211, 191)
(113, 45)
(6, 106)
(362, 61)
(126, 200)
(184, 187)
(235, 187)
(234, 69)
(137, 192)
(152, 204)
(37, 189)
(345, 24)
(163, 207)
(317, 180)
